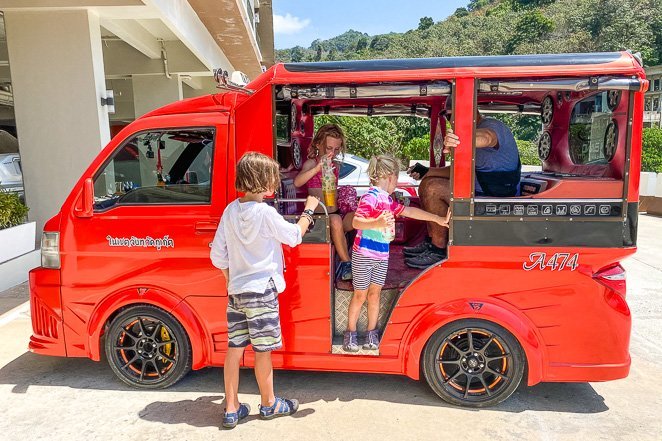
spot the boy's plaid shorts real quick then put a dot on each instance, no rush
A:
(253, 318)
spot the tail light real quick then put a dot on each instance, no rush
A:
(50, 250)
(613, 278)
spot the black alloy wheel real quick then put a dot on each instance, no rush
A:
(473, 363)
(147, 348)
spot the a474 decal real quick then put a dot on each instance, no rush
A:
(557, 262)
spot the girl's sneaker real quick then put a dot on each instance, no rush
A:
(371, 340)
(230, 419)
(281, 407)
(350, 342)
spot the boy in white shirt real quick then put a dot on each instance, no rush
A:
(247, 248)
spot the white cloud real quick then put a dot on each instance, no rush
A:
(289, 24)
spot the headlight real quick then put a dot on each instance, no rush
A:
(50, 250)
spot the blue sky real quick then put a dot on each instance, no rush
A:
(299, 22)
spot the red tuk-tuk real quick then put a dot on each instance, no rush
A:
(531, 287)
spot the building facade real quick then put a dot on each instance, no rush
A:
(653, 100)
(60, 61)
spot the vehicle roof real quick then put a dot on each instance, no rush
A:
(417, 69)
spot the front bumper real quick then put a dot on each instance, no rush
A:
(46, 312)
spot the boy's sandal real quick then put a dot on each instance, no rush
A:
(231, 419)
(281, 407)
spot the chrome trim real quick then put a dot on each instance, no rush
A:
(322, 91)
(572, 84)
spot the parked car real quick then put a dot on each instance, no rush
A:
(354, 172)
(11, 178)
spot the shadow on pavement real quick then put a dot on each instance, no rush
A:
(205, 411)
(13, 297)
(77, 373)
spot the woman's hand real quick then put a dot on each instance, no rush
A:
(311, 203)
(385, 220)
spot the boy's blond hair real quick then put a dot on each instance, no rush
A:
(257, 173)
(382, 166)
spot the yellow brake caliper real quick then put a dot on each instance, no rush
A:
(167, 349)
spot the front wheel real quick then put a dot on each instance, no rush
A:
(473, 363)
(147, 348)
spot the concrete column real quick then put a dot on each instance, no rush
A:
(56, 64)
(153, 91)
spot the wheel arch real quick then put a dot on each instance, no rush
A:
(498, 313)
(119, 301)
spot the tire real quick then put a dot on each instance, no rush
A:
(480, 371)
(147, 348)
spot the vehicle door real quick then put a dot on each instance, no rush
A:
(305, 304)
(157, 203)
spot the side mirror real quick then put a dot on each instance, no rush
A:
(85, 204)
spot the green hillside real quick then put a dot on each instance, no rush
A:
(494, 27)
(497, 27)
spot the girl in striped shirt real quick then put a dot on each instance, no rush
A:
(374, 221)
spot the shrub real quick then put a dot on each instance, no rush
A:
(528, 152)
(418, 148)
(12, 210)
(651, 158)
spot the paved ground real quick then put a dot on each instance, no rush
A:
(54, 398)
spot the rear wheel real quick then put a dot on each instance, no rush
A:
(473, 363)
(148, 348)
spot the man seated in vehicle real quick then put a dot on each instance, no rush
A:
(497, 174)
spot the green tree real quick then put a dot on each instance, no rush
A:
(379, 43)
(475, 5)
(528, 152)
(362, 43)
(296, 54)
(461, 12)
(530, 26)
(417, 148)
(651, 160)
(425, 23)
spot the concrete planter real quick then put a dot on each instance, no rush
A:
(17, 241)
(17, 254)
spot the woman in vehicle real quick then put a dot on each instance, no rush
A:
(330, 141)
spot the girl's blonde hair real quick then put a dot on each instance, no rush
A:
(332, 130)
(382, 166)
(257, 173)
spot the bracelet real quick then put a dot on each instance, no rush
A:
(308, 217)
(309, 212)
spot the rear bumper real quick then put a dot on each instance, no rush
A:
(46, 312)
(572, 372)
